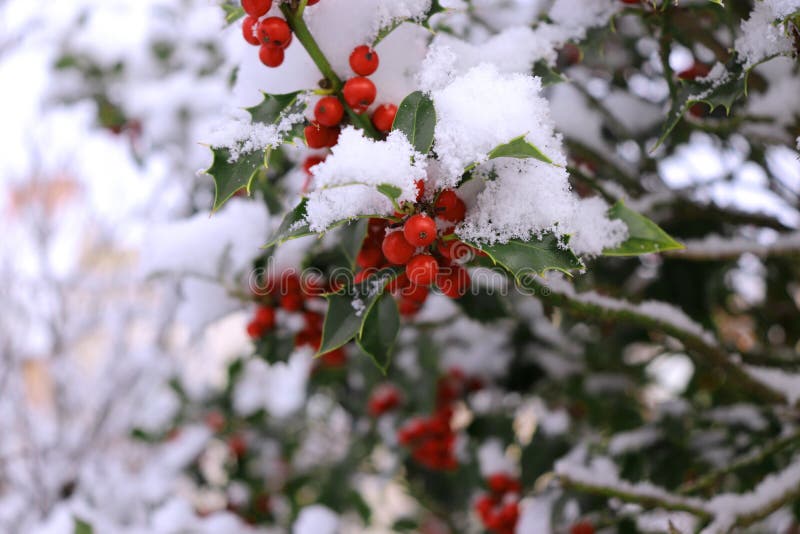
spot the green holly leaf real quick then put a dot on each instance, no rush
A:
(82, 527)
(233, 12)
(724, 95)
(416, 118)
(523, 258)
(348, 309)
(273, 108)
(518, 148)
(547, 74)
(482, 305)
(644, 236)
(379, 331)
(292, 226)
(351, 237)
(231, 176)
(384, 32)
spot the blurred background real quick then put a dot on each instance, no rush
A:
(114, 306)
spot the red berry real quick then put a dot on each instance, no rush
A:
(311, 161)
(271, 57)
(420, 230)
(329, 111)
(265, 317)
(396, 249)
(334, 358)
(697, 70)
(422, 270)
(318, 136)
(359, 93)
(484, 506)
(584, 527)
(383, 399)
(255, 329)
(362, 275)
(455, 250)
(408, 307)
(453, 281)
(399, 283)
(249, 30)
(364, 60)
(449, 206)
(312, 2)
(502, 483)
(420, 189)
(313, 320)
(369, 257)
(274, 32)
(256, 8)
(292, 302)
(383, 117)
(418, 294)
(237, 445)
(215, 421)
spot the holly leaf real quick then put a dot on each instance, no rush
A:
(231, 176)
(348, 309)
(416, 118)
(713, 93)
(233, 12)
(482, 305)
(292, 226)
(273, 108)
(384, 32)
(644, 236)
(535, 256)
(547, 74)
(518, 148)
(351, 237)
(81, 527)
(391, 191)
(379, 331)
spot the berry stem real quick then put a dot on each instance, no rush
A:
(302, 33)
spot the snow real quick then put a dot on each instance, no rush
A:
(316, 519)
(492, 459)
(633, 440)
(485, 108)
(745, 415)
(578, 15)
(656, 310)
(778, 380)
(345, 183)
(279, 388)
(728, 507)
(239, 135)
(761, 37)
(714, 246)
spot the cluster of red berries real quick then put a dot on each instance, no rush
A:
(383, 399)
(272, 34)
(432, 439)
(499, 508)
(359, 93)
(292, 296)
(429, 251)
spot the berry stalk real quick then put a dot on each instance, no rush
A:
(295, 20)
